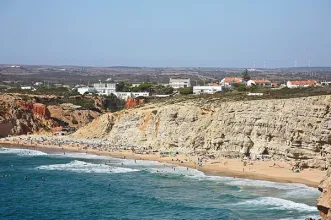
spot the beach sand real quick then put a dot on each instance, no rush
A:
(256, 170)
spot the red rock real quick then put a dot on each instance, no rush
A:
(131, 103)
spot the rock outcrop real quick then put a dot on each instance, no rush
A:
(324, 201)
(72, 115)
(131, 103)
(19, 117)
(298, 129)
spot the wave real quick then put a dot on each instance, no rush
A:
(133, 162)
(84, 167)
(21, 152)
(82, 155)
(278, 204)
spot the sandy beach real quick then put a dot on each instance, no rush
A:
(277, 171)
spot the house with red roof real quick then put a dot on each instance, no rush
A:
(259, 82)
(301, 83)
(229, 81)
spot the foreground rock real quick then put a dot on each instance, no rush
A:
(324, 201)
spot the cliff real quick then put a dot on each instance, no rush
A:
(19, 117)
(298, 129)
(72, 115)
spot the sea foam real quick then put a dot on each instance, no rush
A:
(21, 152)
(278, 204)
(84, 167)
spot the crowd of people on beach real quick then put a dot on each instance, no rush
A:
(56, 141)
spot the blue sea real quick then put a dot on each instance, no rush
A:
(38, 185)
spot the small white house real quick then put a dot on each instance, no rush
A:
(179, 83)
(259, 82)
(206, 89)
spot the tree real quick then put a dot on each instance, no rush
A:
(123, 87)
(163, 90)
(246, 76)
(186, 91)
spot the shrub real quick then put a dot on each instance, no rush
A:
(74, 121)
(154, 112)
(186, 91)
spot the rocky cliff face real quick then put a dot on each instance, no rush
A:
(324, 202)
(18, 117)
(296, 129)
(72, 115)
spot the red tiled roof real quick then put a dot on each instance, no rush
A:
(304, 82)
(261, 81)
(232, 79)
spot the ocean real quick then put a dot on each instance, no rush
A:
(38, 185)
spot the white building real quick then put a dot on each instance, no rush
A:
(259, 82)
(206, 89)
(179, 83)
(26, 87)
(123, 95)
(139, 94)
(83, 90)
(303, 83)
(105, 88)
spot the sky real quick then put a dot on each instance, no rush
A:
(166, 33)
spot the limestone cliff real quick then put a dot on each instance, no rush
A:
(297, 129)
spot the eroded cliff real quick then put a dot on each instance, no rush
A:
(297, 129)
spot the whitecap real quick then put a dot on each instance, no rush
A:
(278, 204)
(21, 152)
(269, 184)
(84, 167)
(133, 162)
(82, 155)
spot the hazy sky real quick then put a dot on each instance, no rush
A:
(214, 33)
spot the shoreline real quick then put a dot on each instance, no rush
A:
(260, 170)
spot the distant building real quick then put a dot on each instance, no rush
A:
(213, 84)
(259, 82)
(302, 83)
(38, 83)
(27, 88)
(206, 89)
(139, 94)
(105, 88)
(84, 90)
(123, 95)
(229, 81)
(179, 83)
(325, 83)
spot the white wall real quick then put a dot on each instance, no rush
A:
(137, 94)
(206, 89)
